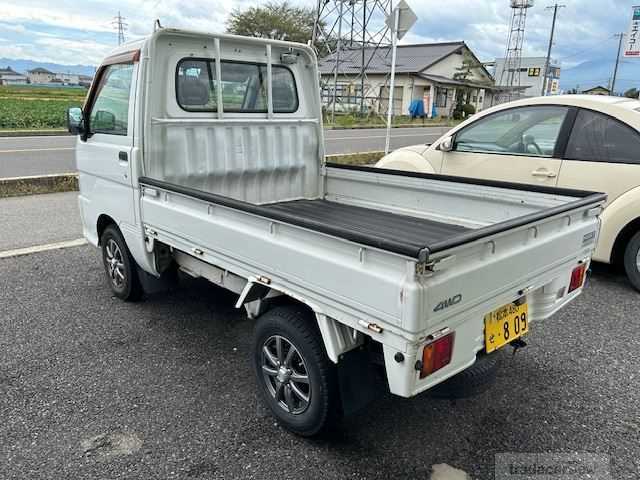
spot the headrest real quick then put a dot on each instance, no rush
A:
(192, 92)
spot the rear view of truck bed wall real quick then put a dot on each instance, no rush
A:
(257, 164)
(256, 157)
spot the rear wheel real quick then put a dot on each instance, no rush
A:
(632, 261)
(119, 265)
(295, 378)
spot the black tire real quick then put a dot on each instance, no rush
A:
(297, 326)
(125, 283)
(631, 260)
(476, 379)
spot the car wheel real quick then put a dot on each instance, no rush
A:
(632, 261)
(295, 378)
(119, 265)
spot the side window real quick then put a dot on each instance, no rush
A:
(196, 85)
(110, 110)
(244, 87)
(599, 138)
(531, 131)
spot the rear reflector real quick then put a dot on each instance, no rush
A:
(577, 277)
(437, 355)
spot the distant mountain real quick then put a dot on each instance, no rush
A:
(21, 65)
(598, 72)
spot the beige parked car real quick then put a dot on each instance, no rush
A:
(574, 141)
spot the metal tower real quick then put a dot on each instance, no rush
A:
(351, 37)
(120, 25)
(510, 75)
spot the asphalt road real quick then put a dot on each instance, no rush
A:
(38, 220)
(91, 387)
(22, 156)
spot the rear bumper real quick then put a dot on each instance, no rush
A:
(544, 302)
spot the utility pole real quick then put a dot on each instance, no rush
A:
(615, 70)
(120, 25)
(545, 78)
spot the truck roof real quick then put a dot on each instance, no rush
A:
(139, 43)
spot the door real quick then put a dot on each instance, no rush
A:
(515, 145)
(103, 158)
(603, 155)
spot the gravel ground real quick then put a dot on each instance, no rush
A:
(94, 388)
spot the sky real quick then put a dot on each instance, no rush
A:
(81, 32)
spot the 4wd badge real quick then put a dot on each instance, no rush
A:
(449, 302)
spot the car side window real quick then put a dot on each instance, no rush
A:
(530, 131)
(110, 110)
(597, 137)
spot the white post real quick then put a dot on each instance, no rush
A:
(432, 92)
(394, 41)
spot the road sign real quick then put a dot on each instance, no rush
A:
(632, 44)
(406, 19)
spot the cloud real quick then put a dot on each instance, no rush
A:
(85, 34)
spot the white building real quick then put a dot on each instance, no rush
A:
(68, 78)
(8, 76)
(41, 76)
(532, 75)
(424, 72)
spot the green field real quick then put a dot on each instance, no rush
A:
(37, 108)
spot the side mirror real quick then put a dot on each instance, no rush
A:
(75, 121)
(446, 145)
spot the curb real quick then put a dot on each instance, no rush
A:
(383, 127)
(13, 187)
(68, 182)
(33, 133)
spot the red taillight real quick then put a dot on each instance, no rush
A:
(577, 277)
(437, 355)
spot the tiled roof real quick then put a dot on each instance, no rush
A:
(410, 58)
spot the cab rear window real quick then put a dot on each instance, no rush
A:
(244, 87)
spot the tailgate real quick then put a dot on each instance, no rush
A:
(533, 260)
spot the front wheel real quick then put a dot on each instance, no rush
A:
(295, 378)
(119, 265)
(632, 261)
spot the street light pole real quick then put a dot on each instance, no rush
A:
(548, 60)
(615, 70)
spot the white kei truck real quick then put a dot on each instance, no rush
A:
(204, 153)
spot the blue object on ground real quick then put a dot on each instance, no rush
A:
(416, 108)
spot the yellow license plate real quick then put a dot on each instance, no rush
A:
(505, 324)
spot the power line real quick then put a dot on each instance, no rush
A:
(121, 26)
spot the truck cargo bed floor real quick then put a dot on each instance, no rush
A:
(386, 226)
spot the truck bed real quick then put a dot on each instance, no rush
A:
(382, 229)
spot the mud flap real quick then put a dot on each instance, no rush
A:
(357, 380)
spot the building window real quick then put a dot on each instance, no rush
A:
(534, 72)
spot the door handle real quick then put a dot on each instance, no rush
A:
(123, 157)
(544, 173)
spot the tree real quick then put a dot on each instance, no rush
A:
(277, 20)
(464, 73)
(632, 93)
